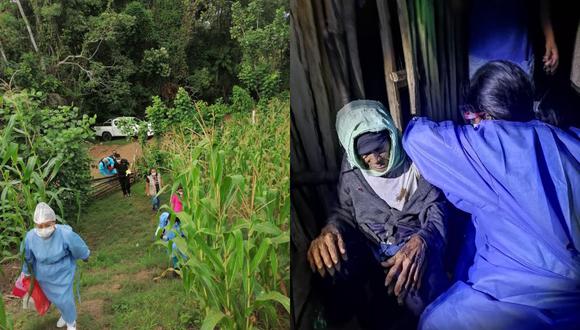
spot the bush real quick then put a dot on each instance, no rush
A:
(25, 180)
(53, 133)
(185, 113)
(156, 115)
(241, 100)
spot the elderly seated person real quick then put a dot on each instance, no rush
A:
(382, 196)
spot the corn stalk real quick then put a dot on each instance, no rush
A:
(235, 220)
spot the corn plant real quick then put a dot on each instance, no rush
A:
(5, 321)
(23, 183)
(236, 209)
(46, 133)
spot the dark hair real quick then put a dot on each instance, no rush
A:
(502, 90)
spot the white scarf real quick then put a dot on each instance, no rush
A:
(397, 188)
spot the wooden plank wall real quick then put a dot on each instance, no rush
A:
(325, 75)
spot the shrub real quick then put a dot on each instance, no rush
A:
(24, 181)
(241, 100)
(49, 133)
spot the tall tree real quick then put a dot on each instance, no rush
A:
(32, 40)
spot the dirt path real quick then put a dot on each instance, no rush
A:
(118, 289)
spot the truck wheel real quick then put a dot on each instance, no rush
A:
(106, 136)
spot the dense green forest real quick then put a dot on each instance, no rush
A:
(109, 58)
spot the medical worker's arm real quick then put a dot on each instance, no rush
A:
(444, 154)
(551, 57)
(169, 235)
(77, 246)
(28, 257)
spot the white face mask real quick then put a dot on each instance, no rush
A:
(44, 232)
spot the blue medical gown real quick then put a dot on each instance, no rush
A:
(104, 167)
(521, 183)
(169, 235)
(54, 262)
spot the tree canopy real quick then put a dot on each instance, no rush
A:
(110, 57)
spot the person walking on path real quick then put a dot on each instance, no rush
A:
(153, 185)
(176, 204)
(122, 167)
(50, 253)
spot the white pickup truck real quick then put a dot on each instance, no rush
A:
(120, 127)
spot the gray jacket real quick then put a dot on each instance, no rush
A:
(360, 207)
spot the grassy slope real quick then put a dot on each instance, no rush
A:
(118, 290)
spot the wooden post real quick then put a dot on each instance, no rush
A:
(389, 61)
(408, 55)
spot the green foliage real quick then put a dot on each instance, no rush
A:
(156, 62)
(183, 110)
(5, 321)
(263, 38)
(152, 158)
(110, 58)
(156, 114)
(25, 180)
(115, 28)
(45, 137)
(235, 217)
(184, 114)
(241, 100)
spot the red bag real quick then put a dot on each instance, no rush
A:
(19, 290)
(41, 302)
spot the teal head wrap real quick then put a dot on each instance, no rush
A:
(364, 116)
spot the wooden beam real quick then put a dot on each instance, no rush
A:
(399, 78)
(408, 55)
(389, 61)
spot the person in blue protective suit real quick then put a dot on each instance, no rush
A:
(169, 235)
(107, 166)
(384, 199)
(520, 180)
(51, 251)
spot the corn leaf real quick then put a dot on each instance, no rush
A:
(275, 296)
(212, 319)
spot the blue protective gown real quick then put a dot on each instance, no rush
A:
(169, 235)
(521, 183)
(104, 164)
(53, 261)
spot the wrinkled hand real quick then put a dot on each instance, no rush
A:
(406, 267)
(551, 57)
(326, 251)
